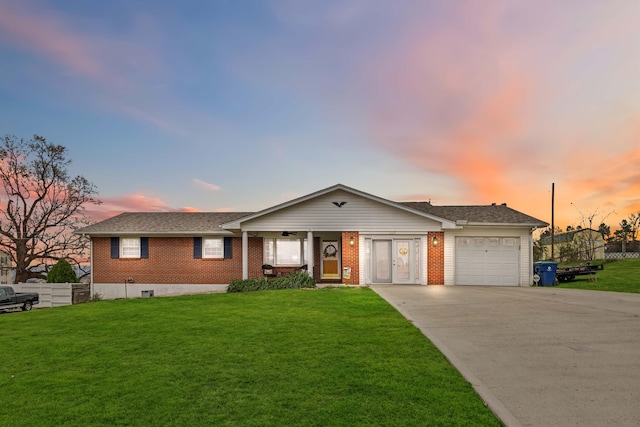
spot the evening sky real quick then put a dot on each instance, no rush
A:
(240, 105)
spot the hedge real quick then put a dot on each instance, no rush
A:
(296, 280)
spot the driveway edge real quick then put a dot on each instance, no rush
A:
(491, 401)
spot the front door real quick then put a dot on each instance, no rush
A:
(392, 261)
(330, 259)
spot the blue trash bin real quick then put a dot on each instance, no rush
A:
(547, 272)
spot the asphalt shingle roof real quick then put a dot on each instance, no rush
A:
(480, 214)
(163, 223)
(209, 222)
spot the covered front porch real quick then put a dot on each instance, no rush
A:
(345, 236)
(345, 257)
(327, 256)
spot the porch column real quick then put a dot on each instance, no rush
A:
(310, 257)
(245, 255)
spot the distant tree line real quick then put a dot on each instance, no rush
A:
(623, 239)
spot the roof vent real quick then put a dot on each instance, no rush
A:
(493, 204)
(504, 204)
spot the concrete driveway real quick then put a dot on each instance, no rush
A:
(537, 356)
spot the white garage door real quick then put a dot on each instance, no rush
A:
(487, 261)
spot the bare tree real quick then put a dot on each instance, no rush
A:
(41, 205)
(587, 245)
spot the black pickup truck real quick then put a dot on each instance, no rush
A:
(9, 299)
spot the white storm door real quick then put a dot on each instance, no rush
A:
(381, 269)
(402, 261)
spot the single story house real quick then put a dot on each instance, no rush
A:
(338, 235)
(583, 244)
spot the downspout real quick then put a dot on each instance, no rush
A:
(553, 224)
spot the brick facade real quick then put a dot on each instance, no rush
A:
(435, 259)
(171, 261)
(351, 257)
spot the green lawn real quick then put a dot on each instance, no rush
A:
(618, 276)
(277, 358)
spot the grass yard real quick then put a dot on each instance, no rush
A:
(333, 357)
(617, 276)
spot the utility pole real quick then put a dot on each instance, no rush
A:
(553, 224)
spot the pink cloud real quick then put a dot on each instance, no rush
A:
(131, 203)
(188, 209)
(206, 185)
(476, 97)
(42, 34)
(124, 71)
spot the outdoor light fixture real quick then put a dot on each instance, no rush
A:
(352, 241)
(434, 242)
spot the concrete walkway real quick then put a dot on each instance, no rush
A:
(537, 356)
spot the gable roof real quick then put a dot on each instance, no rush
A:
(479, 214)
(158, 223)
(194, 223)
(236, 225)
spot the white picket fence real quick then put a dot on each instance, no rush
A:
(51, 294)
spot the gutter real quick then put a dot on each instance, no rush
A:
(159, 233)
(502, 224)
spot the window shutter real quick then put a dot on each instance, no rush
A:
(144, 247)
(115, 247)
(197, 247)
(227, 248)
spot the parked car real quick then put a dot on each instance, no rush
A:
(9, 299)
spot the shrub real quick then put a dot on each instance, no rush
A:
(296, 280)
(62, 272)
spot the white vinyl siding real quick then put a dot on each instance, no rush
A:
(358, 213)
(212, 248)
(130, 247)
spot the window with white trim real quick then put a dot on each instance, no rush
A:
(285, 252)
(212, 248)
(130, 247)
